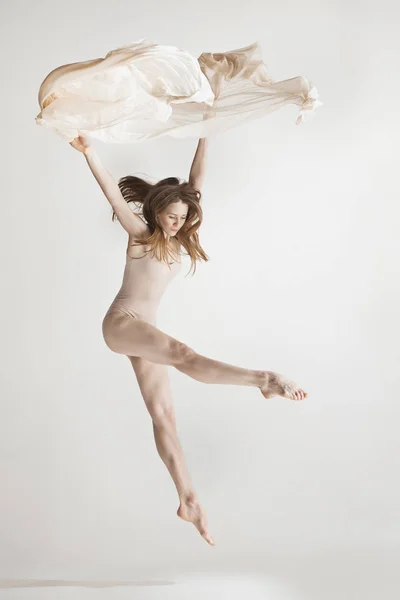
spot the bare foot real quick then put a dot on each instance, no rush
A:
(277, 385)
(191, 510)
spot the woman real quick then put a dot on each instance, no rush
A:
(172, 215)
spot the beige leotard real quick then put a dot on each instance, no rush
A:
(144, 282)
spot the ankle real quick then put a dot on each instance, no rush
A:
(263, 378)
(188, 497)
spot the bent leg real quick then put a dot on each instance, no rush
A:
(134, 337)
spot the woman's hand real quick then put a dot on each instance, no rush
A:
(81, 144)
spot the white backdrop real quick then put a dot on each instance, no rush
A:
(301, 225)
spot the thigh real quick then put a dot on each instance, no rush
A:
(127, 335)
(155, 387)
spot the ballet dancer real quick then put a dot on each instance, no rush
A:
(171, 216)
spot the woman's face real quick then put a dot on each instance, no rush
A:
(173, 217)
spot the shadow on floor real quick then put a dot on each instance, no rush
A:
(7, 584)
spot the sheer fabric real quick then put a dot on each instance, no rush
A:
(146, 90)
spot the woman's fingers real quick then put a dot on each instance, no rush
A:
(76, 144)
(80, 143)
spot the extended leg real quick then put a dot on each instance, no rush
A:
(154, 385)
(138, 338)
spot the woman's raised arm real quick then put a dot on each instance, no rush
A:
(131, 222)
(198, 168)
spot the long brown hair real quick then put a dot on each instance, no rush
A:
(151, 199)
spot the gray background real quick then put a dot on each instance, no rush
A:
(301, 224)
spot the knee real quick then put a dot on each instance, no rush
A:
(181, 353)
(162, 416)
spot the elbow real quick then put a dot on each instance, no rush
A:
(196, 181)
